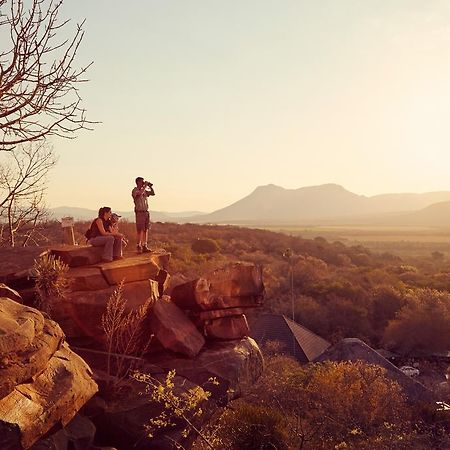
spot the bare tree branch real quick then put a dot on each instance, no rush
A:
(38, 81)
(23, 182)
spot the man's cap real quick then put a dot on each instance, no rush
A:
(115, 216)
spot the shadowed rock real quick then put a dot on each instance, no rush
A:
(173, 329)
(227, 328)
(7, 292)
(80, 313)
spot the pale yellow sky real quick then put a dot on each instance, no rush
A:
(209, 99)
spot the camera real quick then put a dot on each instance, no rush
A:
(147, 183)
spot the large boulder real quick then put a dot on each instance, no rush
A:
(42, 382)
(236, 366)
(78, 255)
(235, 285)
(173, 329)
(19, 326)
(227, 328)
(80, 313)
(53, 397)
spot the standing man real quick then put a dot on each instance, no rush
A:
(140, 193)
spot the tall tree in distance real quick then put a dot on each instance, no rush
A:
(38, 81)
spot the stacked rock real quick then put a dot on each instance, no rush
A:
(211, 307)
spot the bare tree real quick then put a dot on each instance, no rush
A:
(38, 82)
(23, 181)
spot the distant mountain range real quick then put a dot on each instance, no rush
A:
(89, 214)
(314, 205)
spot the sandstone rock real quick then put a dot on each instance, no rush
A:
(19, 366)
(79, 314)
(231, 327)
(160, 257)
(19, 326)
(216, 313)
(173, 329)
(78, 434)
(7, 292)
(16, 265)
(124, 424)
(236, 285)
(54, 396)
(175, 280)
(78, 255)
(163, 281)
(86, 279)
(237, 365)
(130, 269)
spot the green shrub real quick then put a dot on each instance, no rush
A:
(205, 246)
(51, 282)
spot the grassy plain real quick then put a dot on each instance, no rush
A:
(415, 242)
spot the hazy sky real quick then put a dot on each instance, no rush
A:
(209, 99)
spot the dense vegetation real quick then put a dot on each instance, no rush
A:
(337, 290)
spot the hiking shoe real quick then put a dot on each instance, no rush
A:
(139, 249)
(145, 249)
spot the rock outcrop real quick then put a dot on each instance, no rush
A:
(79, 314)
(42, 382)
(200, 331)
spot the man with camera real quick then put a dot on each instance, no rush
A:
(140, 193)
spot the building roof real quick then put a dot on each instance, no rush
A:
(297, 341)
(353, 349)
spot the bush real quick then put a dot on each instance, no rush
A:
(205, 246)
(51, 281)
(249, 427)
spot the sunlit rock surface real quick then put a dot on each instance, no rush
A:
(42, 382)
(235, 285)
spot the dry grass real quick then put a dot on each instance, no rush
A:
(125, 335)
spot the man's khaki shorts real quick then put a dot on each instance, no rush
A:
(142, 221)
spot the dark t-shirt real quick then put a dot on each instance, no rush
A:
(94, 227)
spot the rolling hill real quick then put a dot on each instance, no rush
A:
(317, 204)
